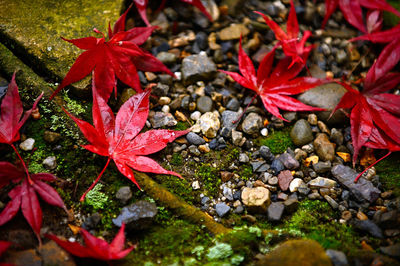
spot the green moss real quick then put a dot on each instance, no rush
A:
(96, 198)
(277, 141)
(182, 126)
(73, 106)
(176, 159)
(390, 19)
(180, 187)
(219, 251)
(316, 220)
(210, 178)
(245, 172)
(388, 171)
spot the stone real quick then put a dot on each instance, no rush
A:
(324, 148)
(198, 67)
(51, 137)
(256, 199)
(338, 258)
(289, 161)
(322, 182)
(295, 184)
(275, 211)
(266, 154)
(27, 145)
(228, 117)
(52, 55)
(92, 221)
(50, 163)
(252, 123)
(284, 179)
(137, 216)
(124, 194)
(233, 105)
(301, 133)
(25, 257)
(362, 190)
(204, 104)
(259, 166)
(52, 254)
(296, 252)
(237, 137)
(264, 132)
(243, 158)
(369, 227)
(208, 124)
(322, 167)
(326, 96)
(277, 166)
(393, 250)
(194, 139)
(195, 115)
(273, 181)
(196, 185)
(233, 31)
(234, 6)
(291, 205)
(336, 136)
(331, 202)
(226, 176)
(161, 119)
(222, 209)
(194, 150)
(167, 58)
(228, 193)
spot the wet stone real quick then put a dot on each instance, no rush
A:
(161, 119)
(362, 190)
(204, 104)
(198, 67)
(252, 123)
(137, 216)
(195, 139)
(322, 167)
(324, 148)
(301, 133)
(222, 209)
(233, 105)
(275, 211)
(289, 161)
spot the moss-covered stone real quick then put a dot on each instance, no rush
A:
(32, 30)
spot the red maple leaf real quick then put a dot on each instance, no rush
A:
(24, 196)
(141, 6)
(375, 115)
(119, 57)
(95, 247)
(118, 137)
(4, 245)
(381, 37)
(11, 118)
(352, 10)
(292, 45)
(275, 86)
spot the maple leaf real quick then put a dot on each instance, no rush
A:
(274, 86)
(375, 115)
(291, 44)
(11, 118)
(96, 248)
(381, 37)
(119, 57)
(141, 6)
(118, 137)
(352, 10)
(4, 245)
(24, 196)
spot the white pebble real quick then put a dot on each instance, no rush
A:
(165, 109)
(27, 145)
(264, 132)
(196, 185)
(195, 115)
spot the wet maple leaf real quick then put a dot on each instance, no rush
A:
(96, 248)
(386, 36)
(119, 57)
(118, 137)
(275, 86)
(352, 10)
(141, 6)
(375, 115)
(292, 45)
(24, 195)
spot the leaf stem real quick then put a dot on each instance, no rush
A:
(95, 181)
(23, 164)
(358, 177)
(245, 109)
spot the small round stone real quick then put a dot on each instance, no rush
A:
(27, 145)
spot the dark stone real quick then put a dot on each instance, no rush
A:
(195, 139)
(202, 40)
(301, 133)
(275, 211)
(338, 258)
(205, 200)
(390, 219)
(289, 161)
(233, 105)
(362, 190)
(266, 153)
(213, 144)
(228, 117)
(322, 167)
(291, 205)
(277, 166)
(222, 209)
(137, 216)
(393, 250)
(204, 104)
(198, 67)
(92, 221)
(368, 226)
(259, 166)
(237, 195)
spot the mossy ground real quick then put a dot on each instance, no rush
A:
(389, 174)
(278, 141)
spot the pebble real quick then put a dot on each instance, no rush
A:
(204, 148)
(264, 132)
(368, 226)
(237, 137)
(295, 184)
(252, 123)
(392, 250)
(50, 163)
(301, 133)
(194, 150)
(322, 182)
(228, 117)
(275, 211)
(277, 166)
(322, 167)
(226, 176)
(198, 67)
(243, 158)
(208, 124)
(331, 202)
(167, 58)
(312, 119)
(124, 194)
(284, 179)
(161, 119)
(256, 199)
(324, 148)
(51, 137)
(196, 185)
(164, 100)
(266, 154)
(137, 216)
(234, 31)
(195, 139)
(222, 209)
(27, 145)
(233, 105)
(336, 136)
(337, 257)
(204, 104)
(273, 181)
(289, 161)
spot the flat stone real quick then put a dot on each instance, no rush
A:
(252, 123)
(362, 190)
(289, 161)
(137, 216)
(208, 124)
(222, 209)
(198, 67)
(331, 202)
(256, 199)
(284, 179)
(324, 148)
(301, 133)
(296, 252)
(275, 211)
(40, 43)
(233, 31)
(325, 96)
(322, 167)
(322, 182)
(259, 166)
